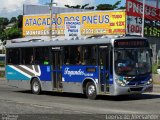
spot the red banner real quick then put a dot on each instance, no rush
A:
(135, 8)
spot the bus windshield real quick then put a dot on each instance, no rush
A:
(131, 62)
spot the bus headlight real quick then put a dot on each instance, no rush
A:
(150, 81)
(121, 83)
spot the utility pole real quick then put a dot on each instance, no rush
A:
(51, 18)
(143, 17)
(157, 4)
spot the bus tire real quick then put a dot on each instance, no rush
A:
(36, 86)
(91, 92)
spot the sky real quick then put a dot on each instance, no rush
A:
(10, 8)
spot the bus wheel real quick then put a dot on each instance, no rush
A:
(35, 87)
(91, 91)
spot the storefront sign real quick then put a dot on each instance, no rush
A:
(134, 19)
(92, 23)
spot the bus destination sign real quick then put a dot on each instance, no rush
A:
(130, 43)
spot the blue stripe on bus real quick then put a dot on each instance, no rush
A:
(12, 74)
(45, 73)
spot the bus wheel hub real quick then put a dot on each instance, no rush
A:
(91, 90)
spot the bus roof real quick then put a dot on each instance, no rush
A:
(96, 41)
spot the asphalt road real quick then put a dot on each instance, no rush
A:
(18, 101)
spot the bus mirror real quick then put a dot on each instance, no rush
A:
(151, 53)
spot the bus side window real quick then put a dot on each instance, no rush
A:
(89, 53)
(27, 56)
(42, 55)
(13, 56)
(66, 56)
(72, 55)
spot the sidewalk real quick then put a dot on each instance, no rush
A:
(2, 79)
(156, 88)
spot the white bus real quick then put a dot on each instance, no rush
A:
(94, 66)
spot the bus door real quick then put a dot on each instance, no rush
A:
(56, 67)
(104, 68)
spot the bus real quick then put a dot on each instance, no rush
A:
(2, 65)
(92, 66)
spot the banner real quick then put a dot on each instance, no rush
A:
(135, 8)
(134, 12)
(91, 23)
(72, 29)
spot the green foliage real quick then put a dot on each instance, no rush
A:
(84, 6)
(109, 6)
(80, 6)
(4, 21)
(10, 33)
(89, 8)
(2, 74)
(20, 20)
(3, 36)
(122, 8)
(99, 7)
(76, 7)
(13, 20)
(13, 33)
(115, 6)
(104, 7)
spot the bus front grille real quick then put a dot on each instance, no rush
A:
(136, 89)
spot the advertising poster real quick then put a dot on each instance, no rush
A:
(134, 12)
(92, 23)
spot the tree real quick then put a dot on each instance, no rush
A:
(13, 20)
(104, 7)
(20, 20)
(13, 32)
(109, 6)
(4, 21)
(3, 36)
(122, 7)
(115, 6)
(90, 8)
(84, 6)
(99, 7)
(80, 6)
(76, 7)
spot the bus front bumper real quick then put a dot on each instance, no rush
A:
(118, 90)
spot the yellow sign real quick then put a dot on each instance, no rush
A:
(92, 23)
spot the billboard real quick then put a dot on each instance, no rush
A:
(134, 12)
(91, 23)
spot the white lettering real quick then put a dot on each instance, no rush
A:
(76, 73)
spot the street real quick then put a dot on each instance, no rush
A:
(18, 101)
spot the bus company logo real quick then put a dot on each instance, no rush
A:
(76, 72)
(71, 73)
